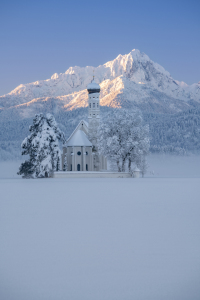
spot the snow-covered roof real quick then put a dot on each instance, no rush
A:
(79, 139)
(80, 124)
(85, 123)
(93, 86)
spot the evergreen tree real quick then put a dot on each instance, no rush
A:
(42, 146)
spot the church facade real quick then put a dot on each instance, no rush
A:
(80, 152)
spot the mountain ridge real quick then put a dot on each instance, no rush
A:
(130, 80)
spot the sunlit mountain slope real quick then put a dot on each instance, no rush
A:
(129, 80)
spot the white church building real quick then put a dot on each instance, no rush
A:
(80, 152)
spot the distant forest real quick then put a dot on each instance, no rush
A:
(169, 133)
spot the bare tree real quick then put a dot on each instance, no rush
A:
(123, 137)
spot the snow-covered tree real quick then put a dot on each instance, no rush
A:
(42, 146)
(123, 137)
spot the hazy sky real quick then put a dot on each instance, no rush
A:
(39, 38)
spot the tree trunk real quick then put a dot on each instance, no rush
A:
(118, 166)
(129, 165)
(123, 164)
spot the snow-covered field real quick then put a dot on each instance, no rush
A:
(99, 239)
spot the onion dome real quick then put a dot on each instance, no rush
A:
(93, 87)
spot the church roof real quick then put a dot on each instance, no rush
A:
(93, 86)
(83, 125)
(80, 139)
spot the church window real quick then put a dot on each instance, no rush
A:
(71, 168)
(97, 105)
(90, 105)
(93, 114)
(78, 167)
(86, 153)
(86, 167)
(93, 105)
(79, 153)
(93, 97)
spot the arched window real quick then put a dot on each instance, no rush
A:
(79, 153)
(86, 167)
(71, 168)
(93, 105)
(78, 167)
(86, 153)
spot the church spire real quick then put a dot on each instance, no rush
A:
(93, 110)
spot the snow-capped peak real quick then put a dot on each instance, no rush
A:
(139, 70)
(54, 76)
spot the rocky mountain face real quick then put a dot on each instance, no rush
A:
(131, 80)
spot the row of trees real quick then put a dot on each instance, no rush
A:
(170, 133)
(122, 138)
(176, 133)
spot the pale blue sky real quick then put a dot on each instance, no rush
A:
(39, 38)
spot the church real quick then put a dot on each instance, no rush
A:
(80, 152)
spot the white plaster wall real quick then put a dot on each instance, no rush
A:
(91, 175)
(78, 159)
(93, 106)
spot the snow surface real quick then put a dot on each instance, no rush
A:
(134, 239)
(108, 239)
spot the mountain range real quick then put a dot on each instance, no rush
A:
(171, 108)
(131, 80)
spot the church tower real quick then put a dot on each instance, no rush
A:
(93, 110)
(80, 152)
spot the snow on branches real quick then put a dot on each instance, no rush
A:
(122, 137)
(42, 146)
